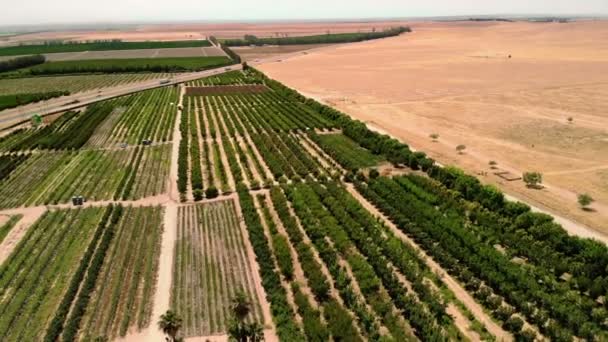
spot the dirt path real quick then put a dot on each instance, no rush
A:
(162, 294)
(451, 283)
(177, 138)
(30, 215)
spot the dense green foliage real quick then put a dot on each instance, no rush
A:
(8, 225)
(282, 312)
(21, 62)
(71, 131)
(461, 235)
(16, 100)
(318, 39)
(10, 162)
(169, 64)
(37, 273)
(101, 45)
(345, 151)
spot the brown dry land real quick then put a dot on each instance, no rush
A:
(201, 31)
(457, 80)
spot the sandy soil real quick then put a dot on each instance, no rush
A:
(201, 31)
(457, 80)
(30, 215)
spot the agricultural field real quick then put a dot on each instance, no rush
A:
(348, 153)
(42, 269)
(58, 47)
(317, 241)
(60, 282)
(121, 302)
(73, 84)
(165, 65)
(15, 100)
(211, 266)
(7, 225)
(252, 130)
(54, 177)
(126, 120)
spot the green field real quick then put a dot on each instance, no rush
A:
(16, 100)
(10, 224)
(34, 279)
(348, 153)
(177, 64)
(56, 47)
(342, 256)
(72, 83)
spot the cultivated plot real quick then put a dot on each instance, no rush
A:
(211, 266)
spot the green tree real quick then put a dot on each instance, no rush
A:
(238, 329)
(585, 200)
(170, 323)
(240, 306)
(492, 164)
(461, 148)
(434, 136)
(532, 179)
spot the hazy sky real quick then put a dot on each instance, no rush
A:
(31, 12)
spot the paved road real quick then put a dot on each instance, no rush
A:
(19, 114)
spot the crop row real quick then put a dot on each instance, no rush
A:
(71, 131)
(98, 45)
(282, 311)
(10, 162)
(8, 225)
(16, 100)
(210, 268)
(72, 84)
(112, 66)
(35, 277)
(147, 115)
(98, 175)
(122, 298)
(345, 151)
(464, 245)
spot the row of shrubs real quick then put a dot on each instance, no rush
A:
(21, 62)
(16, 100)
(319, 39)
(56, 327)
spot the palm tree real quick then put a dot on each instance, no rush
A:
(255, 332)
(170, 323)
(241, 306)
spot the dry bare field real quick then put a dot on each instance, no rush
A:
(457, 80)
(201, 31)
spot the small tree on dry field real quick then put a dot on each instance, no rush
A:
(492, 164)
(585, 200)
(533, 179)
(434, 136)
(570, 119)
(461, 148)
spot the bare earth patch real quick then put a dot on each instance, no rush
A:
(458, 81)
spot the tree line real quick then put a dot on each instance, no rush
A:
(319, 39)
(21, 62)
